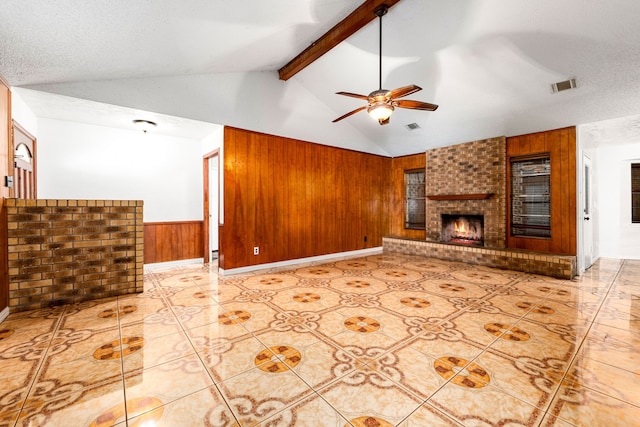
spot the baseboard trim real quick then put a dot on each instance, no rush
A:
(3, 314)
(169, 264)
(299, 262)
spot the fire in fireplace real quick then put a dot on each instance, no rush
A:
(463, 229)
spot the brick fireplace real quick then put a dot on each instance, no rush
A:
(463, 229)
(468, 180)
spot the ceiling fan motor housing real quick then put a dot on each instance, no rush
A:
(380, 105)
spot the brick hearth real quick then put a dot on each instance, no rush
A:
(559, 266)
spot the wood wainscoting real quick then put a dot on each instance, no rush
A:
(172, 241)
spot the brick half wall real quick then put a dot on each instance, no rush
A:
(67, 251)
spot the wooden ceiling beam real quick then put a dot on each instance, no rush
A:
(340, 32)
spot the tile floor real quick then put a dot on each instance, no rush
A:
(384, 340)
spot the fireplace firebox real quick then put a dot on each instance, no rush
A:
(463, 229)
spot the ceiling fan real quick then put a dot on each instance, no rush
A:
(382, 102)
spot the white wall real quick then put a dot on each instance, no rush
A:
(82, 161)
(22, 114)
(619, 238)
(213, 141)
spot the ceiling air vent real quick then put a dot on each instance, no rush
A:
(412, 126)
(564, 85)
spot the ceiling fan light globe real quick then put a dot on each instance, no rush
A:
(380, 112)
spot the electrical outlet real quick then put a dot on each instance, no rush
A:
(256, 250)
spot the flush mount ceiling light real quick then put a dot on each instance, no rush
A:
(144, 125)
(382, 102)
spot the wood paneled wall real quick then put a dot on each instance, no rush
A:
(295, 199)
(5, 168)
(172, 241)
(396, 212)
(561, 144)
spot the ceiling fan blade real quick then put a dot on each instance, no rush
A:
(357, 110)
(415, 105)
(353, 95)
(403, 91)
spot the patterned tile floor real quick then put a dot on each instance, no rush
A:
(384, 340)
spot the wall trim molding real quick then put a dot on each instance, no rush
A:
(168, 264)
(301, 261)
(3, 314)
(190, 221)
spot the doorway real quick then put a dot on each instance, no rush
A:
(211, 204)
(587, 212)
(24, 163)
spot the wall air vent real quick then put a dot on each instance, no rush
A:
(564, 85)
(412, 126)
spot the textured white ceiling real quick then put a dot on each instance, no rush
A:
(60, 107)
(487, 63)
(618, 131)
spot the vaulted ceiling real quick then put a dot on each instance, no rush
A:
(489, 64)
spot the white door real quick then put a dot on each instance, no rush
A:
(213, 208)
(587, 213)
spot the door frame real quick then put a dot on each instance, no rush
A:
(6, 169)
(585, 212)
(12, 151)
(206, 223)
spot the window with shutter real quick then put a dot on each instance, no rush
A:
(531, 197)
(414, 200)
